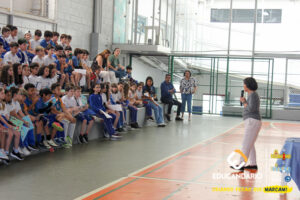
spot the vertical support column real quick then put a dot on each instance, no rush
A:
(268, 99)
(157, 39)
(228, 53)
(254, 38)
(272, 88)
(135, 22)
(153, 19)
(130, 60)
(285, 98)
(172, 68)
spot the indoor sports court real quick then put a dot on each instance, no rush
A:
(149, 99)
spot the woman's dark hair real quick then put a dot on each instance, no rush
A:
(18, 77)
(14, 91)
(5, 78)
(251, 83)
(105, 86)
(77, 51)
(186, 72)
(51, 68)
(42, 70)
(149, 78)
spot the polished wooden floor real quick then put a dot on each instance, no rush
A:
(189, 174)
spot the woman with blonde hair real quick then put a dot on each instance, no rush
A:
(101, 61)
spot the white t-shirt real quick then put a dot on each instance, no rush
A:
(69, 101)
(35, 43)
(9, 57)
(78, 102)
(12, 39)
(104, 99)
(33, 79)
(15, 106)
(4, 112)
(25, 80)
(48, 60)
(36, 59)
(54, 79)
(139, 94)
(43, 83)
(115, 97)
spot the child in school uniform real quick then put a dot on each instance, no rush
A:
(84, 115)
(96, 104)
(105, 94)
(65, 117)
(8, 133)
(18, 78)
(29, 109)
(7, 77)
(44, 107)
(39, 51)
(16, 111)
(48, 58)
(25, 74)
(132, 106)
(33, 77)
(139, 97)
(43, 78)
(17, 152)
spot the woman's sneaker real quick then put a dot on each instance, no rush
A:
(45, 143)
(16, 155)
(52, 143)
(69, 141)
(32, 148)
(161, 125)
(85, 138)
(3, 155)
(25, 151)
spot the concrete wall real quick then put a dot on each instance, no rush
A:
(73, 17)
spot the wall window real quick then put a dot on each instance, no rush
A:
(246, 15)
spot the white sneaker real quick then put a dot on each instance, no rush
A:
(45, 143)
(20, 151)
(52, 143)
(25, 151)
(3, 155)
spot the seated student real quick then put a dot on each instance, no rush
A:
(149, 95)
(43, 80)
(34, 69)
(76, 60)
(44, 107)
(36, 41)
(132, 106)
(30, 139)
(13, 34)
(25, 74)
(133, 95)
(58, 51)
(7, 77)
(63, 39)
(18, 77)
(47, 39)
(65, 71)
(96, 104)
(22, 52)
(48, 58)
(16, 112)
(139, 98)
(129, 75)
(55, 77)
(4, 37)
(2, 50)
(10, 132)
(106, 102)
(66, 118)
(27, 37)
(113, 64)
(29, 109)
(87, 67)
(68, 40)
(84, 115)
(95, 78)
(11, 57)
(55, 38)
(167, 90)
(39, 58)
(117, 98)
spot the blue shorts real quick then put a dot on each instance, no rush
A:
(82, 117)
(5, 120)
(48, 119)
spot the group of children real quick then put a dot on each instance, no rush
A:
(41, 100)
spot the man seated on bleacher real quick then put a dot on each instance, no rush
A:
(167, 90)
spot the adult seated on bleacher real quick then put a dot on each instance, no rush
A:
(113, 64)
(167, 90)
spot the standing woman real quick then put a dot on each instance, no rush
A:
(252, 119)
(188, 87)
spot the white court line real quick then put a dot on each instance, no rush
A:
(155, 163)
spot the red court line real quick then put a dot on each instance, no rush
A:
(165, 180)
